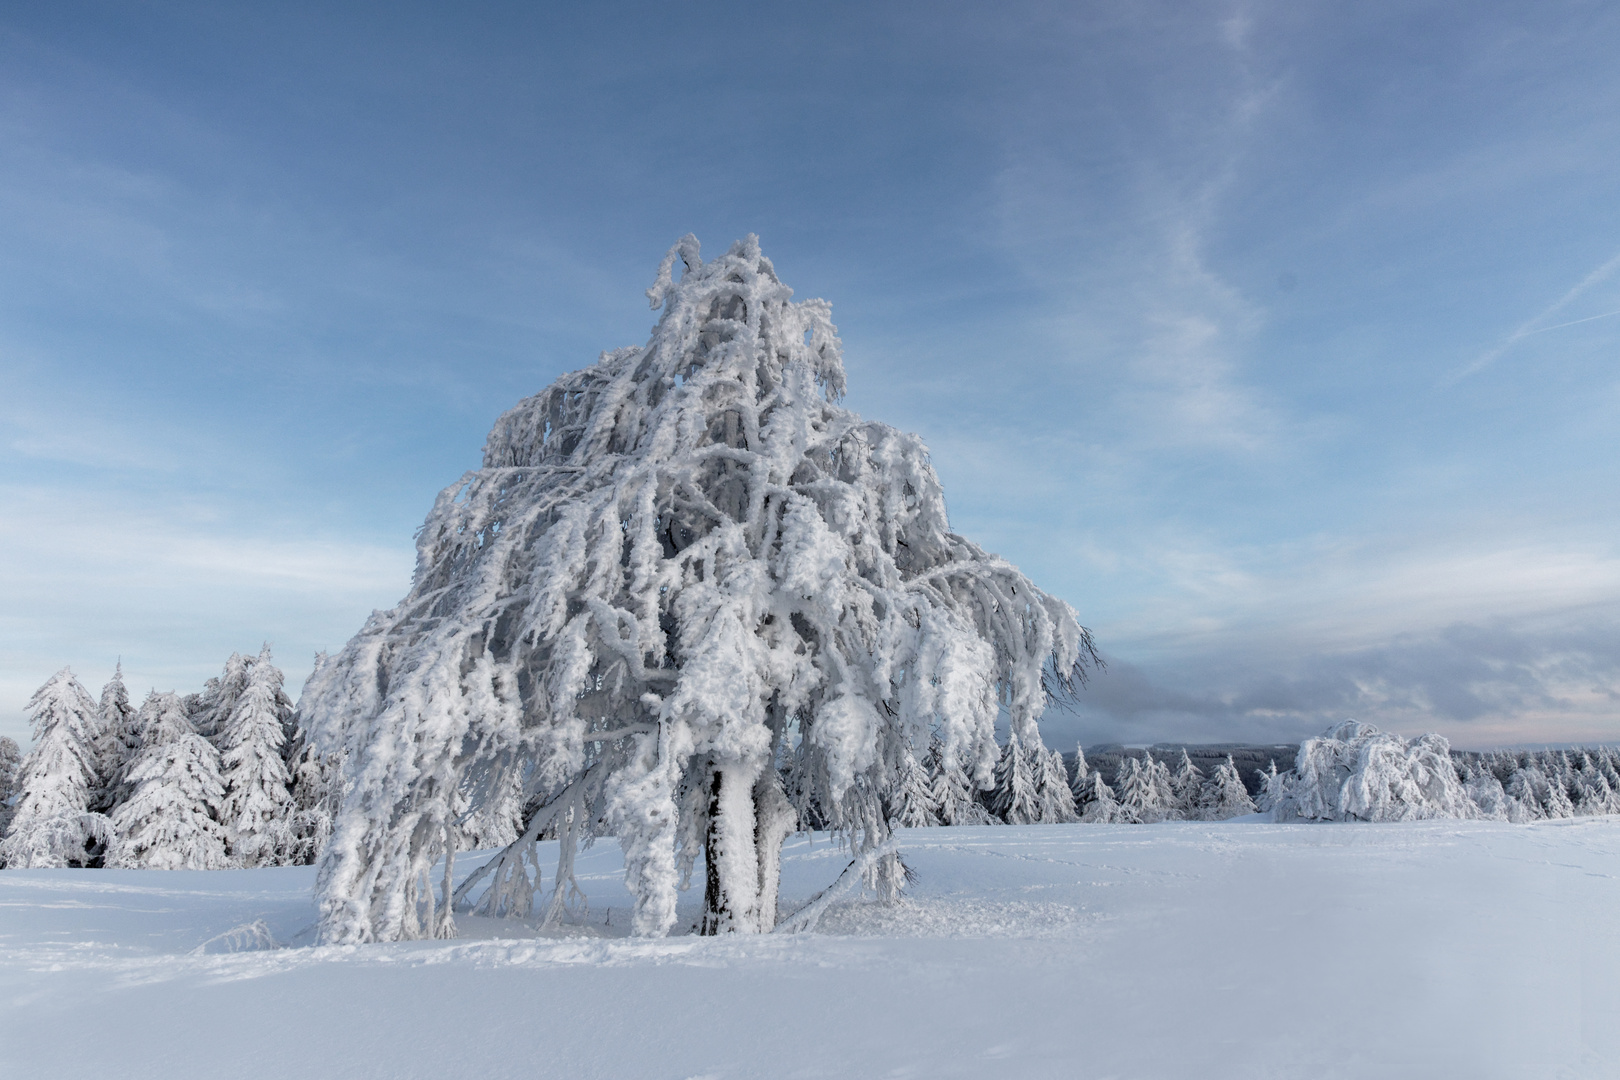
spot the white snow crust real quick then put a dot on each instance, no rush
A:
(1211, 949)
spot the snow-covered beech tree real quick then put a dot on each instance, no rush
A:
(1223, 795)
(171, 820)
(911, 800)
(951, 792)
(257, 808)
(52, 824)
(681, 574)
(1354, 772)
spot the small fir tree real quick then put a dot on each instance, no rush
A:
(1186, 787)
(952, 792)
(52, 824)
(1014, 798)
(911, 801)
(10, 765)
(211, 710)
(171, 820)
(1098, 806)
(1140, 800)
(257, 807)
(117, 740)
(1079, 783)
(1224, 795)
(1052, 787)
(1273, 786)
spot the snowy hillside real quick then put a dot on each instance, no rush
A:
(1232, 949)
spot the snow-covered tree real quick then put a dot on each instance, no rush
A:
(911, 801)
(211, 710)
(10, 765)
(1014, 798)
(170, 822)
(1164, 789)
(52, 824)
(1052, 787)
(1273, 786)
(117, 741)
(1355, 772)
(1078, 783)
(1485, 791)
(257, 808)
(952, 792)
(1142, 798)
(1186, 788)
(1098, 805)
(680, 573)
(1224, 795)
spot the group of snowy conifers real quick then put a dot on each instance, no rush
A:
(201, 782)
(690, 602)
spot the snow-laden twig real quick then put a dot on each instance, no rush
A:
(859, 869)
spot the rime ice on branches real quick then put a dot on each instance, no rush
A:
(694, 601)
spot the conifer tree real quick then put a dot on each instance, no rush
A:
(683, 569)
(170, 821)
(1164, 790)
(10, 766)
(911, 802)
(1014, 799)
(52, 824)
(1052, 787)
(1273, 787)
(952, 792)
(211, 710)
(1224, 796)
(1186, 787)
(1098, 805)
(257, 807)
(117, 742)
(1140, 800)
(1079, 783)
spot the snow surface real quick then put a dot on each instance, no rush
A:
(1238, 948)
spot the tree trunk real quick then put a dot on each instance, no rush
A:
(743, 850)
(731, 891)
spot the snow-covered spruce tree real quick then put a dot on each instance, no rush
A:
(211, 710)
(1164, 788)
(911, 800)
(10, 765)
(118, 740)
(1052, 787)
(1223, 795)
(1014, 799)
(170, 822)
(679, 572)
(1273, 786)
(1141, 800)
(1080, 781)
(1097, 804)
(952, 792)
(257, 808)
(1186, 786)
(52, 824)
(1355, 772)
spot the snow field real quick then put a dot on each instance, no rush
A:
(1433, 949)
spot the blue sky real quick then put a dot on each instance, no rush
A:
(1279, 339)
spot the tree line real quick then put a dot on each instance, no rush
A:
(217, 779)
